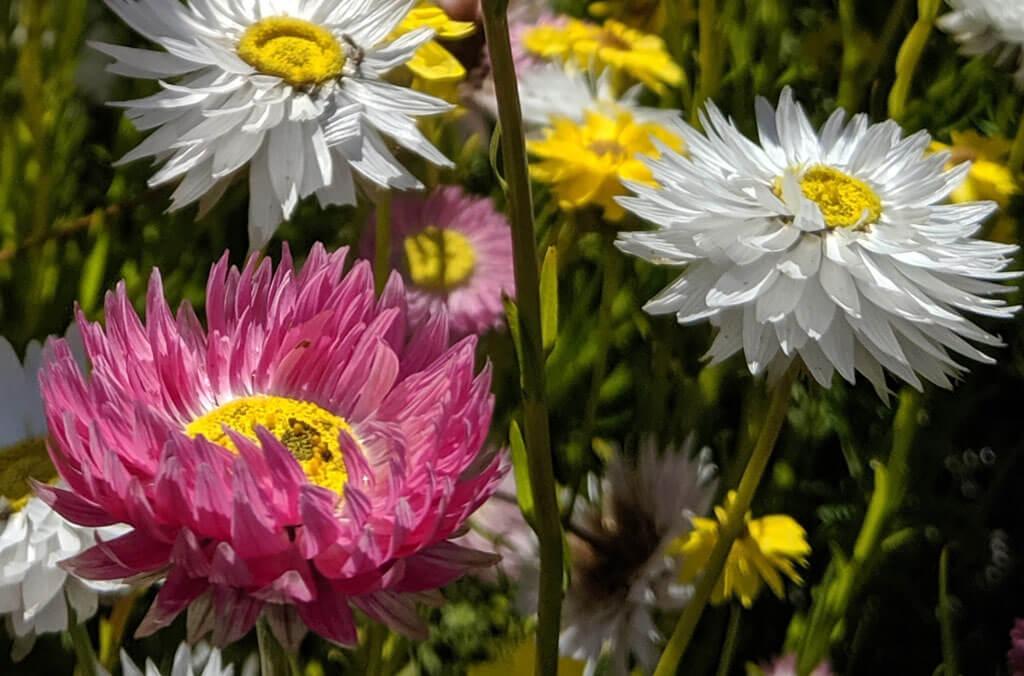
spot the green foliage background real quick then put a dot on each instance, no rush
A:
(72, 225)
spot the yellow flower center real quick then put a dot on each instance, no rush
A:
(21, 462)
(439, 259)
(297, 51)
(309, 432)
(844, 201)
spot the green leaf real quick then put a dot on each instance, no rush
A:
(495, 150)
(512, 318)
(549, 298)
(524, 490)
(90, 285)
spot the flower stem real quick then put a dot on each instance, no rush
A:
(1017, 149)
(733, 525)
(274, 661)
(112, 630)
(376, 637)
(382, 240)
(85, 656)
(949, 666)
(843, 579)
(527, 276)
(612, 270)
(710, 55)
(732, 635)
(909, 56)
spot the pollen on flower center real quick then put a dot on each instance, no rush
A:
(309, 432)
(20, 463)
(439, 259)
(297, 51)
(844, 201)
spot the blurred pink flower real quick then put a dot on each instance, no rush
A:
(1016, 655)
(455, 253)
(302, 455)
(786, 666)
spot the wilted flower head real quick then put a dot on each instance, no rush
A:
(768, 548)
(988, 26)
(35, 592)
(454, 252)
(831, 246)
(292, 89)
(302, 454)
(623, 569)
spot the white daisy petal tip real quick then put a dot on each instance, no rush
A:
(831, 246)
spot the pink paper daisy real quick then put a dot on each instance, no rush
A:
(300, 456)
(455, 253)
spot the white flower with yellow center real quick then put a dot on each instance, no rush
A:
(35, 591)
(988, 26)
(833, 247)
(291, 88)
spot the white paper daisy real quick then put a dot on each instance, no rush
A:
(988, 26)
(830, 246)
(291, 88)
(622, 568)
(35, 591)
(198, 660)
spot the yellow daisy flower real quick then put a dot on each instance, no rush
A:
(521, 660)
(770, 545)
(435, 70)
(989, 177)
(613, 45)
(586, 162)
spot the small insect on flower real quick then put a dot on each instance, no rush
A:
(833, 247)
(292, 90)
(303, 454)
(770, 545)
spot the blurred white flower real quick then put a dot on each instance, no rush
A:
(988, 26)
(291, 88)
(35, 592)
(833, 247)
(622, 568)
(198, 660)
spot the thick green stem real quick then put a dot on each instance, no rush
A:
(732, 635)
(1017, 150)
(833, 599)
(376, 637)
(710, 54)
(733, 526)
(274, 661)
(527, 276)
(85, 656)
(949, 666)
(909, 56)
(112, 630)
(382, 238)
